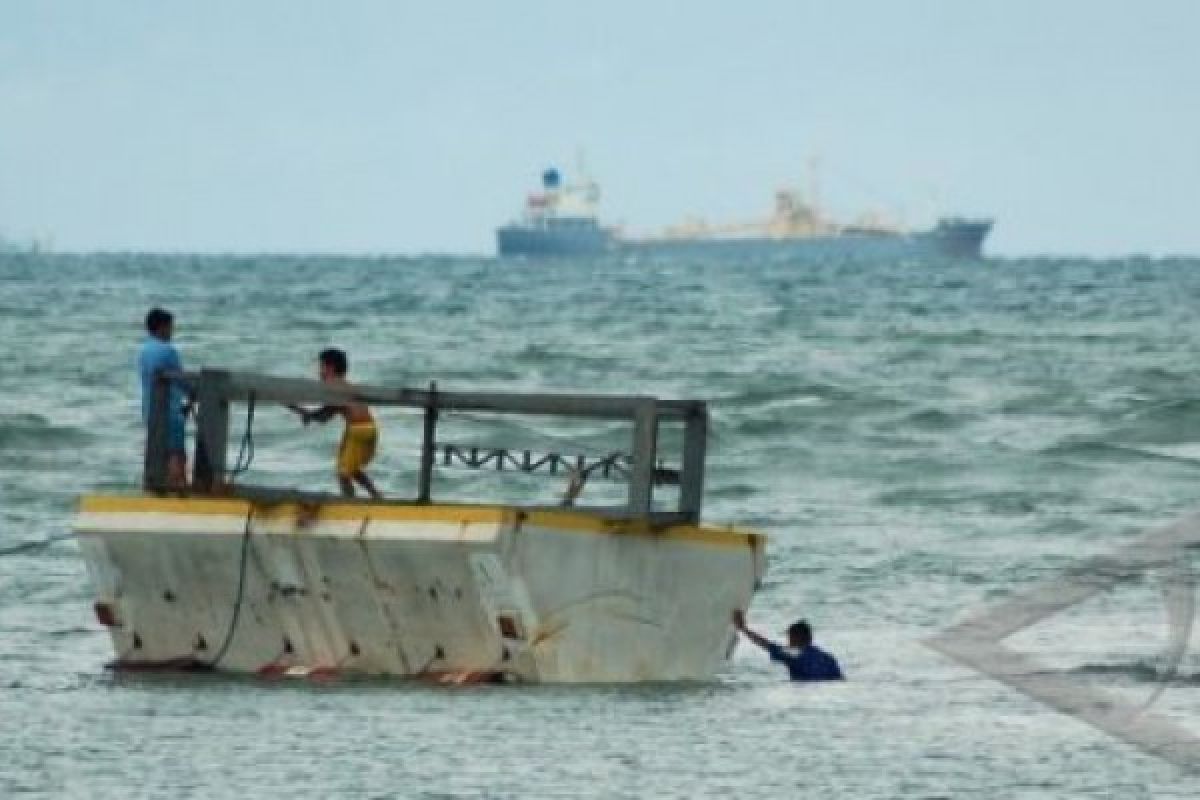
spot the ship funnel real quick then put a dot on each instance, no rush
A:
(551, 179)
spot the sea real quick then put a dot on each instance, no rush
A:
(921, 441)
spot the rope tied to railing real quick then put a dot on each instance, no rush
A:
(245, 456)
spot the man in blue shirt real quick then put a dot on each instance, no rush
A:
(157, 354)
(804, 660)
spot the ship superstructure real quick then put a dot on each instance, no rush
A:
(558, 220)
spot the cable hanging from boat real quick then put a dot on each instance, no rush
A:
(239, 596)
(245, 456)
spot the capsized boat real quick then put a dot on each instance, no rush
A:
(278, 581)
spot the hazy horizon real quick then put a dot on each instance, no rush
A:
(379, 128)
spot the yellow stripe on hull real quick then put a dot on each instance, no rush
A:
(567, 521)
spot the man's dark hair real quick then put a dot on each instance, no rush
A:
(335, 359)
(158, 319)
(800, 632)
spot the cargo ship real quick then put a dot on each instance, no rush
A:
(562, 221)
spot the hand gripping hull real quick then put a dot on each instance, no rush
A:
(554, 596)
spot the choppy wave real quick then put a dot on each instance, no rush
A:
(1139, 672)
(916, 438)
(31, 431)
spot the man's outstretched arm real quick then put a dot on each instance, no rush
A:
(739, 622)
(322, 414)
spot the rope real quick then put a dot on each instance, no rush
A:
(241, 591)
(245, 456)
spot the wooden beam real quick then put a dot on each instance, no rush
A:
(270, 389)
(154, 471)
(691, 479)
(644, 452)
(428, 448)
(212, 430)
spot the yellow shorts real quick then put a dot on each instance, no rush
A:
(357, 448)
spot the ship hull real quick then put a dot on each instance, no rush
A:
(949, 239)
(522, 240)
(413, 591)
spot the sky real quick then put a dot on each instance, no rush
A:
(406, 127)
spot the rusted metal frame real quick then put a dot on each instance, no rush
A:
(613, 465)
(218, 388)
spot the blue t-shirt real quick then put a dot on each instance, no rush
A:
(808, 664)
(156, 355)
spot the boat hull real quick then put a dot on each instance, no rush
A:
(543, 596)
(956, 239)
(537, 241)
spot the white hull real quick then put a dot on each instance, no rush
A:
(413, 590)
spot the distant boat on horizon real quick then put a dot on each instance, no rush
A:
(29, 247)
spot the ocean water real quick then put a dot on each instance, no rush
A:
(917, 439)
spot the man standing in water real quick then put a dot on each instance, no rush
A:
(157, 354)
(360, 436)
(805, 661)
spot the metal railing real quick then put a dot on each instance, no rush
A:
(215, 391)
